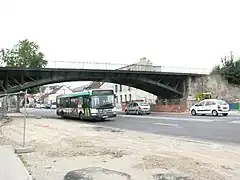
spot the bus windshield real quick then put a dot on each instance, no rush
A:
(103, 101)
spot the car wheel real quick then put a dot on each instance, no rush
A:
(225, 114)
(193, 112)
(126, 111)
(214, 113)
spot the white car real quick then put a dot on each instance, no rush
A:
(210, 106)
(53, 106)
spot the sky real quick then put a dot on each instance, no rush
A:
(186, 33)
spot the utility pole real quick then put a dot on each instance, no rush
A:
(25, 119)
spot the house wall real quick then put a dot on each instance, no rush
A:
(52, 97)
(126, 93)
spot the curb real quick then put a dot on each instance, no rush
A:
(7, 120)
(29, 176)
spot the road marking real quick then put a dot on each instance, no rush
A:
(171, 118)
(234, 122)
(164, 124)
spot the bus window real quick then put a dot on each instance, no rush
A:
(67, 103)
(74, 102)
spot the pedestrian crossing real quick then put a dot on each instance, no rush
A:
(188, 118)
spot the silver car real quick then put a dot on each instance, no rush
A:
(137, 108)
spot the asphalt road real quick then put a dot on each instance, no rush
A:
(219, 129)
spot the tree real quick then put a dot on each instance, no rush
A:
(25, 54)
(229, 69)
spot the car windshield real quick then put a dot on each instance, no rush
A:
(221, 102)
(103, 101)
(143, 104)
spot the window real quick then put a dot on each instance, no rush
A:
(66, 103)
(201, 103)
(135, 105)
(221, 102)
(120, 98)
(74, 102)
(213, 103)
(120, 87)
(62, 102)
(125, 98)
(116, 88)
(130, 97)
(208, 103)
(130, 105)
(58, 101)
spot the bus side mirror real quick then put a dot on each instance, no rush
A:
(115, 96)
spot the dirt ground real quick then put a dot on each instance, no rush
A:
(63, 146)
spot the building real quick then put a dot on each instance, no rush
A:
(126, 93)
(50, 97)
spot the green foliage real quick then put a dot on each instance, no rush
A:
(25, 54)
(229, 69)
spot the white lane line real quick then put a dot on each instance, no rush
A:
(171, 118)
(234, 122)
(165, 124)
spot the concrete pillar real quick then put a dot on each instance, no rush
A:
(185, 88)
(18, 103)
(18, 96)
(5, 86)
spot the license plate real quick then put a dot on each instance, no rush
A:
(105, 116)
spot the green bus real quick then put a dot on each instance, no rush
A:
(91, 104)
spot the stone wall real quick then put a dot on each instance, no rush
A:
(219, 87)
(169, 108)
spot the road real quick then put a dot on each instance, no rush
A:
(218, 129)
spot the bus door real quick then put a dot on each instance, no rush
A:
(86, 107)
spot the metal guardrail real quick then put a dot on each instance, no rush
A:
(131, 67)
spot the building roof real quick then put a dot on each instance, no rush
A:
(92, 85)
(54, 91)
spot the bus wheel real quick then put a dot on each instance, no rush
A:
(62, 114)
(80, 115)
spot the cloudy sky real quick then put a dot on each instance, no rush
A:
(189, 33)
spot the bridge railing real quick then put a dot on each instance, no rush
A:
(130, 67)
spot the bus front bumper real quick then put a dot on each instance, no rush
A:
(104, 115)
